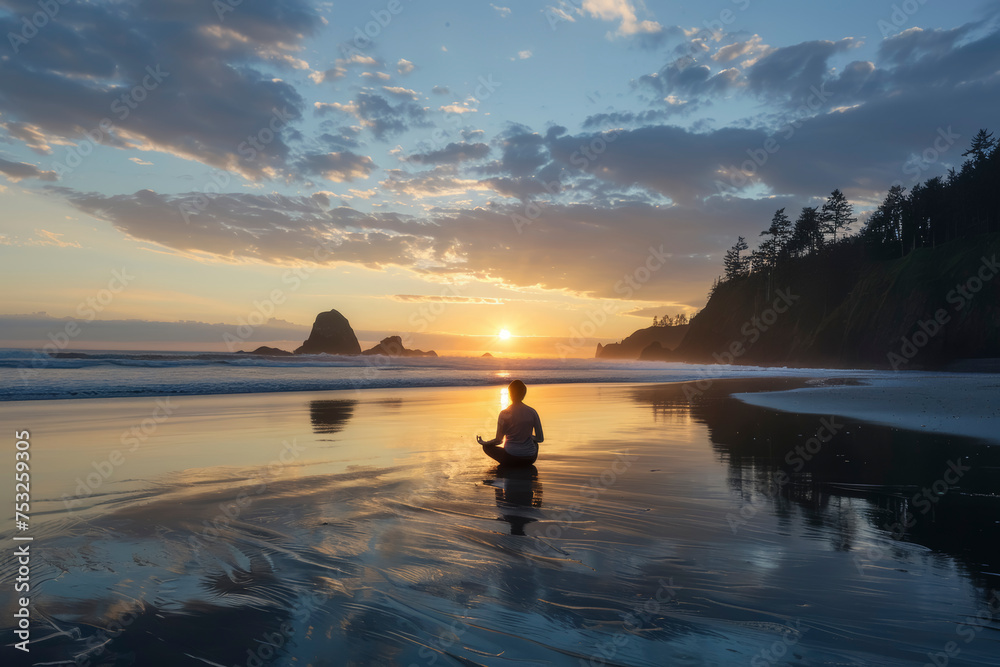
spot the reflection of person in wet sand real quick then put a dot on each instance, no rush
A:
(518, 428)
(518, 491)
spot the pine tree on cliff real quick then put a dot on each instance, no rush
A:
(977, 183)
(714, 288)
(736, 264)
(780, 230)
(885, 226)
(773, 248)
(836, 214)
(807, 236)
(982, 146)
(925, 215)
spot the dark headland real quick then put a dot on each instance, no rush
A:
(843, 308)
(918, 286)
(653, 343)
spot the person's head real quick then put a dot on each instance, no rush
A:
(517, 390)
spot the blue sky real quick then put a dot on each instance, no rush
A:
(514, 160)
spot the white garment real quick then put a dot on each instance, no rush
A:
(524, 449)
(517, 423)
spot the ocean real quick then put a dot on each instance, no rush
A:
(32, 375)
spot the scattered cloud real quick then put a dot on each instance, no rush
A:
(686, 76)
(523, 151)
(17, 171)
(399, 91)
(331, 74)
(458, 107)
(751, 50)
(351, 108)
(447, 298)
(442, 181)
(611, 120)
(555, 14)
(378, 114)
(337, 167)
(357, 59)
(793, 71)
(623, 11)
(52, 238)
(453, 153)
(31, 135)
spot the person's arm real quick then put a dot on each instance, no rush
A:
(499, 438)
(539, 436)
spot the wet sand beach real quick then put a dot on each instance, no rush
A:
(660, 525)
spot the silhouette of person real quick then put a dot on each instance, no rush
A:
(518, 428)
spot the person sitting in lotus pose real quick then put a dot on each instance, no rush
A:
(518, 428)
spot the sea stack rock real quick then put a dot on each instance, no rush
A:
(331, 334)
(265, 351)
(392, 346)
